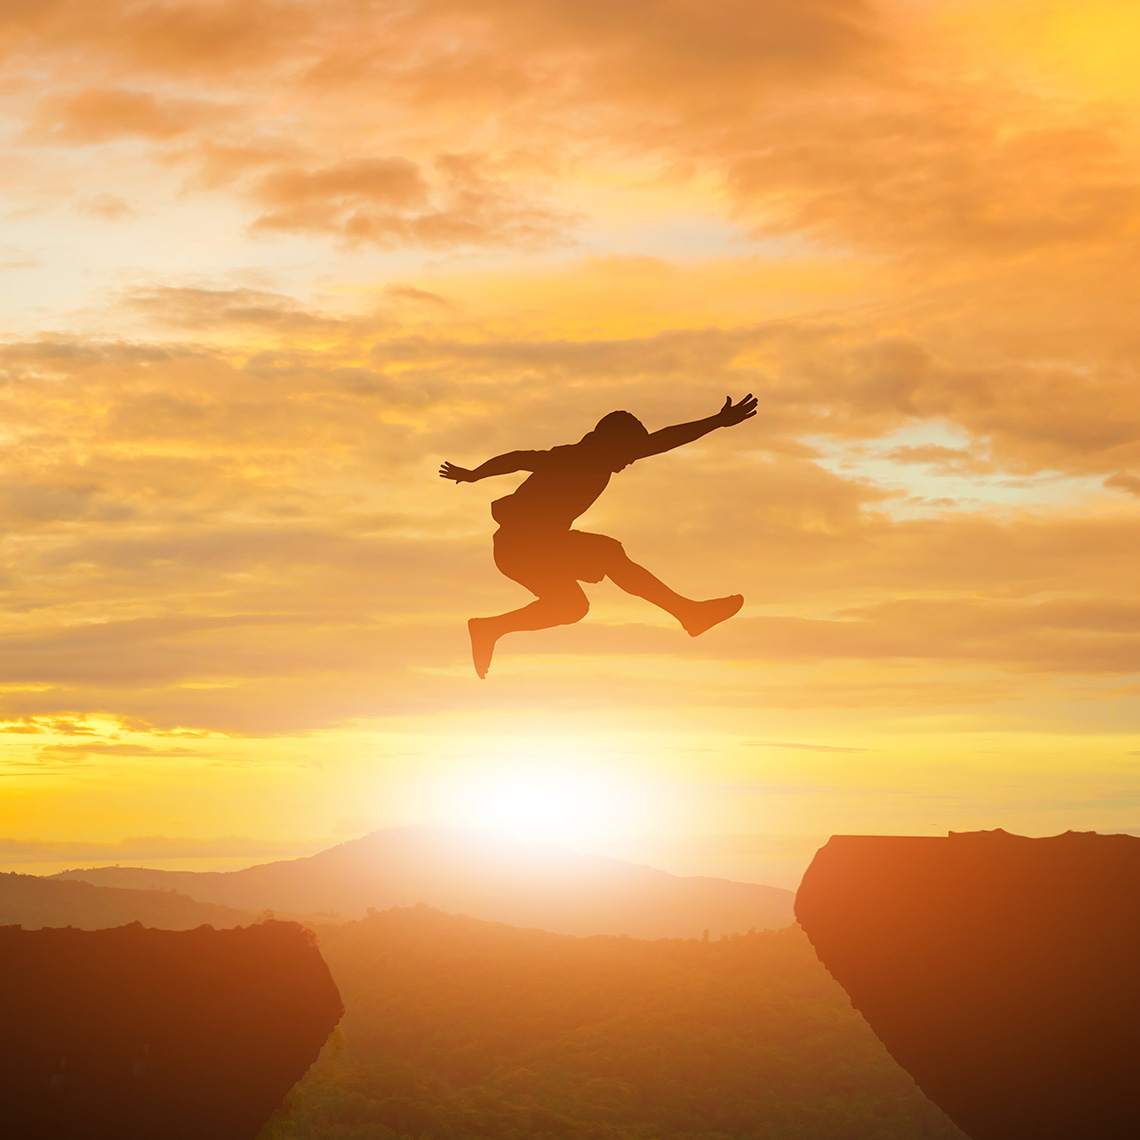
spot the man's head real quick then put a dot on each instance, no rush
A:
(621, 435)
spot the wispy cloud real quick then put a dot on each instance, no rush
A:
(804, 747)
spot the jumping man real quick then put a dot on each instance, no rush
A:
(535, 546)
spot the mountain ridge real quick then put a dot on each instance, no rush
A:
(463, 871)
(35, 902)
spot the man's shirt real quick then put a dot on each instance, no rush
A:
(565, 482)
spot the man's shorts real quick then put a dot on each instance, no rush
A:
(544, 561)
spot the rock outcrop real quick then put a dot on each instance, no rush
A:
(1002, 972)
(139, 1034)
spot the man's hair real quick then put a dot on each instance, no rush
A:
(620, 427)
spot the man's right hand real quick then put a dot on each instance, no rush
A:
(459, 474)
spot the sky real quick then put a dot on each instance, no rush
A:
(267, 263)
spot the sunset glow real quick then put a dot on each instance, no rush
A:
(267, 264)
(541, 803)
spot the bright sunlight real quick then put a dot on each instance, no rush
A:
(558, 804)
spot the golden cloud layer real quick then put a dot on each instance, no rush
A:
(322, 246)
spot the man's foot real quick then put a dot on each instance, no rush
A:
(704, 615)
(483, 640)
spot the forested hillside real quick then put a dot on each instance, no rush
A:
(488, 876)
(32, 902)
(458, 1029)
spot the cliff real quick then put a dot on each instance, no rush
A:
(1001, 972)
(132, 1033)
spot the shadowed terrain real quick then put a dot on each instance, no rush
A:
(135, 1034)
(478, 874)
(462, 1029)
(1000, 971)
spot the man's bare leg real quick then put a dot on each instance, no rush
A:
(695, 617)
(566, 607)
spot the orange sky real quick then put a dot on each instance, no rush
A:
(267, 263)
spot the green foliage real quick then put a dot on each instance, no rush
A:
(458, 1030)
(34, 903)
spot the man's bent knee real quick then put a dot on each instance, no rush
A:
(571, 609)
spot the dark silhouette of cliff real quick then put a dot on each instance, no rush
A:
(137, 1034)
(1003, 973)
(482, 875)
(33, 902)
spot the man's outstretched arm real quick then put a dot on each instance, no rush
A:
(731, 414)
(501, 465)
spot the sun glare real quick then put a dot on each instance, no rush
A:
(557, 804)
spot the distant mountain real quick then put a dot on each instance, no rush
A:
(33, 902)
(481, 875)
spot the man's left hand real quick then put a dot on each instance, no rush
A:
(732, 414)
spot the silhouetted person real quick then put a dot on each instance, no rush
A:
(535, 546)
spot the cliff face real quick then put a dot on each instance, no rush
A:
(1003, 973)
(133, 1033)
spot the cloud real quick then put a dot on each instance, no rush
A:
(165, 36)
(417, 296)
(1124, 481)
(80, 751)
(390, 201)
(29, 503)
(945, 460)
(670, 54)
(939, 173)
(12, 257)
(388, 182)
(205, 310)
(107, 207)
(641, 44)
(27, 726)
(98, 115)
(1012, 636)
(829, 120)
(279, 105)
(1099, 636)
(220, 506)
(802, 747)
